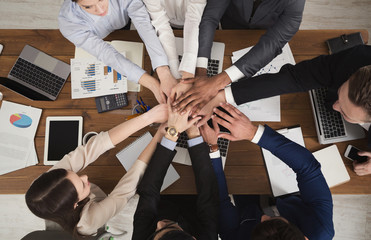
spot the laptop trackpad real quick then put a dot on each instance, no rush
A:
(44, 61)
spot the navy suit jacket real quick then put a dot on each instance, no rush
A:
(311, 211)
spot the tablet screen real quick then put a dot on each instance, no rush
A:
(63, 138)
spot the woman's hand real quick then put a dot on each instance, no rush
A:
(179, 122)
(158, 114)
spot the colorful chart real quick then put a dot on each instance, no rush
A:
(20, 120)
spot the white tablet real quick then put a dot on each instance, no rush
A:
(62, 135)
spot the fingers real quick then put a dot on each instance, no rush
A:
(173, 94)
(364, 153)
(193, 121)
(221, 122)
(231, 109)
(227, 136)
(183, 99)
(215, 126)
(222, 114)
(188, 81)
(196, 109)
(203, 121)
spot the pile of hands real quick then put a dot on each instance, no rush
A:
(194, 96)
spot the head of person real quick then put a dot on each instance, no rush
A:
(276, 228)
(169, 230)
(59, 195)
(354, 101)
(96, 7)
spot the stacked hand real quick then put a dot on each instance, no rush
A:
(203, 90)
(178, 121)
(363, 168)
(237, 123)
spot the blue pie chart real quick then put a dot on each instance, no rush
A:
(20, 120)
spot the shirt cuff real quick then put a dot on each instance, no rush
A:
(229, 95)
(168, 143)
(215, 154)
(234, 73)
(258, 134)
(202, 62)
(195, 141)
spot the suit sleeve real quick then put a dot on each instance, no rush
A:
(149, 192)
(313, 188)
(272, 42)
(207, 190)
(212, 14)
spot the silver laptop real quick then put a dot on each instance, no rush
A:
(37, 75)
(215, 64)
(330, 125)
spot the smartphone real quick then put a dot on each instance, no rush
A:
(352, 153)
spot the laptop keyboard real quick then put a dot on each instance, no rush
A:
(212, 66)
(222, 143)
(331, 121)
(37, 77)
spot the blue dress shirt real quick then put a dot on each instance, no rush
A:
(87, 31)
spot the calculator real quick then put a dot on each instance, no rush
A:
(111, 102)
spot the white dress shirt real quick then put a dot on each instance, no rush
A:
(177, 13)
(86, 31)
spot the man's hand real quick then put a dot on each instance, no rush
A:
(364, 168)
(167, 80)
(209, 134)
(201, 72)
(179, 90)
(238, 124)
(203, 90)
(154, 85)
(207, 110)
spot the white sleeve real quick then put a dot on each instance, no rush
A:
(160, 21)
(193, 15)
(234, 73)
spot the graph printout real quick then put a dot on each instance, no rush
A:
(92, 78)
(18, 124)
(268, 109)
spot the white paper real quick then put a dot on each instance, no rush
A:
(282, 178)
(92, 78)
(130, 154)
(18, 124)
(268, 109)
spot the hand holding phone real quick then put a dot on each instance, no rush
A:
(352, 154)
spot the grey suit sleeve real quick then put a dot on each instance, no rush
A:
(271, 43)
(213, 12)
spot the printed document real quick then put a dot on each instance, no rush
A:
(268, 109)
(18, 124)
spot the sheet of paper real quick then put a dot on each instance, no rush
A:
(91, 78)
(133, 51)
(282, 178)
(18, 124)
(268, 109)
(130, 154)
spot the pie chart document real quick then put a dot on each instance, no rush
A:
(18, 124)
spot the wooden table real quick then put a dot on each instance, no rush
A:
(244, 169)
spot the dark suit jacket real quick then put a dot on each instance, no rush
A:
(311, 212)
(281, 18)
(150, 209)
(329, 71)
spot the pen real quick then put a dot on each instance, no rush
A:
(143, 108)
(133, 116)
(144, 104)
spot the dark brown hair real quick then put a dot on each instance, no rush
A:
(276, 229)
(360, 89)
(52, 196)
